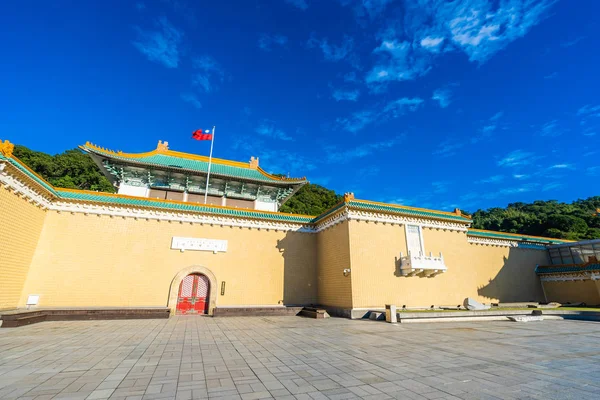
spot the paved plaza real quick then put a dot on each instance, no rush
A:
(293, 357)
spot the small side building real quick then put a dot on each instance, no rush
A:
(573, 276)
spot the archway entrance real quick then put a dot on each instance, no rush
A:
(193, 295)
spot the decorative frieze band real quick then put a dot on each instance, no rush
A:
(492, 242)
(573, 276)
(404, 220)
(151, 214)
(12, 183)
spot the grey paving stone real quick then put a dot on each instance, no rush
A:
(186, 358)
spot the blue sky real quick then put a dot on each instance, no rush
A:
(436, 104)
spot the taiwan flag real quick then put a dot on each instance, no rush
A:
(202, 135)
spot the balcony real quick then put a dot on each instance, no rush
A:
(422, 265)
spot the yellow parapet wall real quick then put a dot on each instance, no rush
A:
(486, 273)
(20, 226)
(91, 261)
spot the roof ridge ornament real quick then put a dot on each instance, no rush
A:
(348, 196)
(162, 147)
(6, 148)
(253, 162)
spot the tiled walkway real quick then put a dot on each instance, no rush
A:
(292, 357)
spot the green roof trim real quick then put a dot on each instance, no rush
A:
(30, 174)
(191, 207)
(180, 163)
(517, 237)
(413, 212)
(540, 270)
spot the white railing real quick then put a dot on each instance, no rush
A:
(422, 265)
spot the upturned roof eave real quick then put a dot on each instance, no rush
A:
(128, 159)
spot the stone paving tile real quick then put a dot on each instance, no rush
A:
(187, 358)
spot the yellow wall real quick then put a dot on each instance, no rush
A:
(486, 273)
(89, 260)
(20, 226)
(573, 291)
(333, 256)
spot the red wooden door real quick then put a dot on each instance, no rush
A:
(193, 295)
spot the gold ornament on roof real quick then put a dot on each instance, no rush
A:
(6, 148)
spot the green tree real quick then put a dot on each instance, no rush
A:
(72, 169)
(311, 199)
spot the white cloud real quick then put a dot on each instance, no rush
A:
(550, 129)
(517, 158)
(301, 4)
(431, 43)
(573, 42)
(209, 71)
(364, 8)
(593, 171)
(266, 42)
(442, 96)
(192, 99)
(551, 186)
(520, 176)
(267, 128)
(358, 120)
(348, 95)
(478, 28)
(332, 52)
(551, 76)
(162, 45)
(492, 179)
(448, 148)
(562, 166)
(334, 156)
(488, 129)
(589, 110)
(401, 62)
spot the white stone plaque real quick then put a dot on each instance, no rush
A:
(186, 243)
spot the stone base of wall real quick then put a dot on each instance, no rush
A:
(16, 318)
(256, 311)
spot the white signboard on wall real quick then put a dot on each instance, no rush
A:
(186, 243)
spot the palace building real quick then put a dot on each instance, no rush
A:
(156, 244)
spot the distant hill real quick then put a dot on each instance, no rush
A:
(578, 220)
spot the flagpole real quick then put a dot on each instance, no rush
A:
(212, 141)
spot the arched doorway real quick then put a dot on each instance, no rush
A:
(193, 295)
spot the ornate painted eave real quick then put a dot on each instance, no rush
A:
(479, 236)
(569, 272)
(163, 158)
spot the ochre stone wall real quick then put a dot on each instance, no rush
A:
(89, 261)
(486, 273)
(20, 226)
(333, 256)
(573, 291)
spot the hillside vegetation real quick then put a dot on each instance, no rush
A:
(577, 220)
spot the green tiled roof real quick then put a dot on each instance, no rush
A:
(406, 211)
(566, 268)
(30, 174)
(524, 238)
(173, 162)
(141, 202)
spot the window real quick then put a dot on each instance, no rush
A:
(414, 240)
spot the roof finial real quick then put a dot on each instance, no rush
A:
(6, 148)
(348, 196)
(254, 162)
(162, 146)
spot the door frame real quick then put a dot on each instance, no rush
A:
(176, 282)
